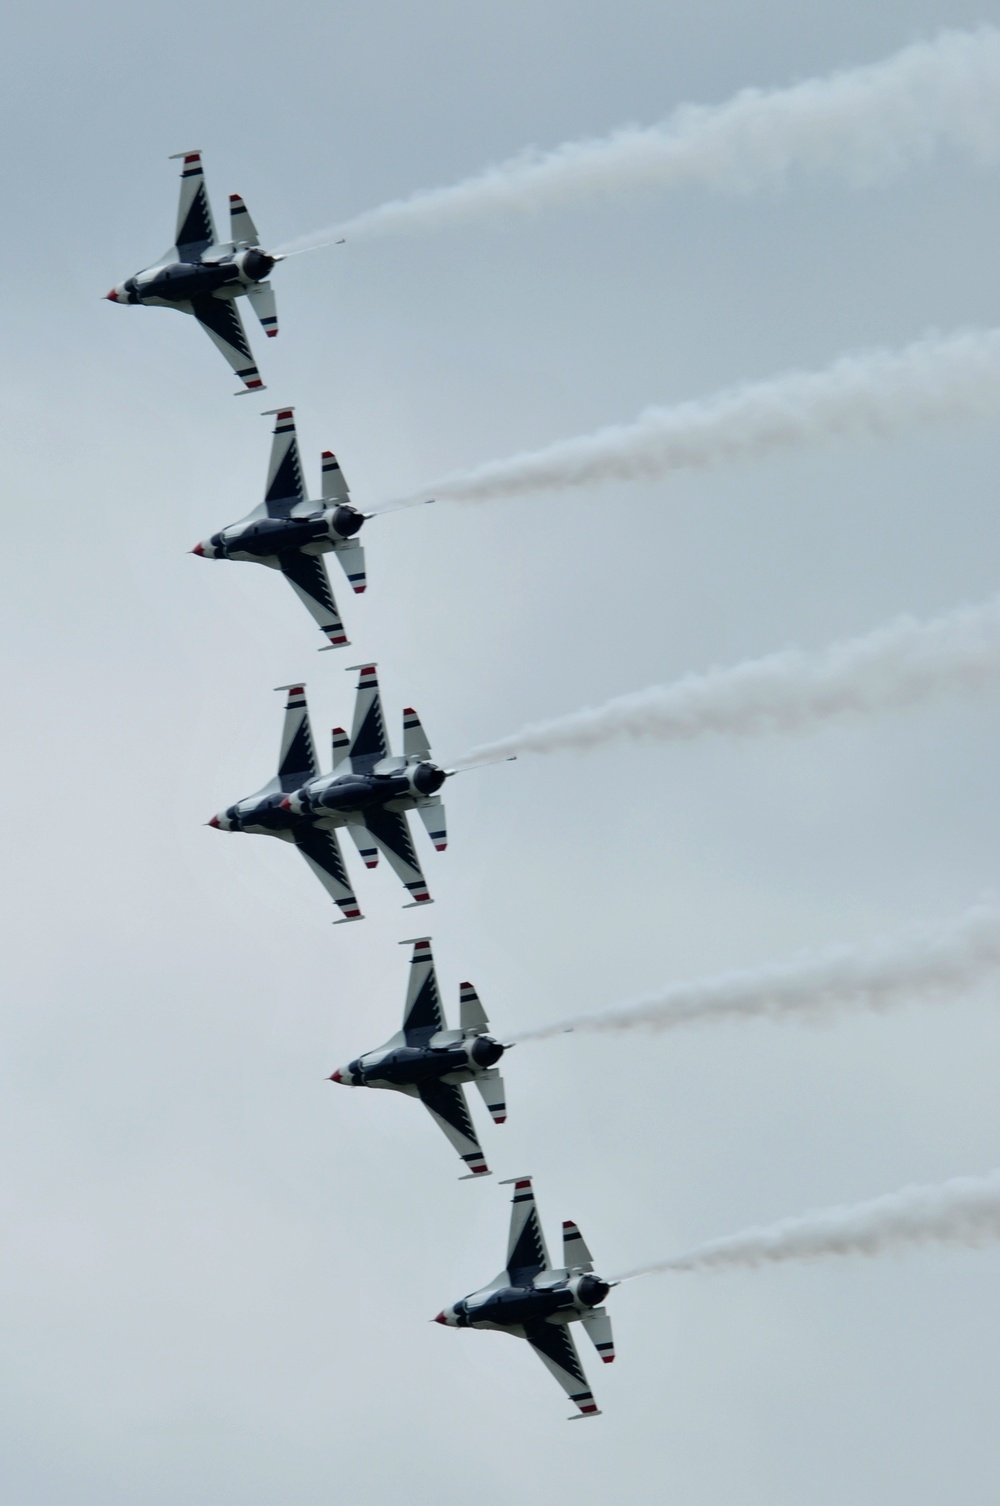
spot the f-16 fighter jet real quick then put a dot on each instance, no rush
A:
(201, 275)
(368, 792)
(535, 1300)
(291, 534)
(431, 1062)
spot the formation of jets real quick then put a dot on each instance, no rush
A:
(369, 793)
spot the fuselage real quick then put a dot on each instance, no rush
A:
(318, 532)
(455, 1061)
(510, 1306)
(332, 800)
(171, 283)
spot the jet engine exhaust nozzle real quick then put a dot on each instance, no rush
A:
(255, 264)
(485, 1051)
(426, 778)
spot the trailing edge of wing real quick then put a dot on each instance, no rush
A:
(306, 574)
(553, 1344)
(220, 320)
(447, 1104)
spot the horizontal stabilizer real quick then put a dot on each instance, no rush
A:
(472, 1015)
(415, 744)
(261, 295)
(365, 845)
(576, 1256)
(494, 1096)
(334, 487)
(340, 743)
(243, 228)
(352, 557)
(432, 815)
(598, 1325)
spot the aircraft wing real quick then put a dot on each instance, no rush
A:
(220, 319)
(195, 229)
(285, 487)
(526, 1252)
(553, 1343)
(297, 759)
(321, 851)
(369, 744)
(447, 1104)
(392, 834)
(306, 574)
(422, 1015)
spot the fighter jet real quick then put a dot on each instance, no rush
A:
(201, 275)
(369, 792)
(431, 1062)
(535, 1300)
(289, 533)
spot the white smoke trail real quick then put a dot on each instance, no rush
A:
(963, 1211)
(874, 393)
(862, 124)
(895, 666)
(922, 965)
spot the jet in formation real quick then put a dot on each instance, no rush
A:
(290, 533)
(203, 276)
(431, 1062)
(368, 792)
(534, 1300)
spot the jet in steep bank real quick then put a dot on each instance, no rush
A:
(431, 1062)
(534, 1300)
(291, 534)
(368, 792)
(203, 276)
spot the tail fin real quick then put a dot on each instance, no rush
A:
(243, 228)
(576, 1256)
(472, 1015)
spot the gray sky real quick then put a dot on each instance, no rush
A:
(217, 1269)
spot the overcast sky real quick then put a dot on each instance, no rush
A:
(218, 1268)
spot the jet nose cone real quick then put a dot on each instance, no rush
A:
(199, 549)
(440, 1318)
(337, 1076)
(285, 804)
(214, 822)
(112, 297)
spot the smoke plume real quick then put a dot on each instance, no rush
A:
(860, 124)
(895, 666)
(963, 1211)
(872, 394)
(923, 965)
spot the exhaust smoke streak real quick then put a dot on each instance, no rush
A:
(892, 667)
(922, 965)
(963, 1211)
(872, 394)
(860, 124)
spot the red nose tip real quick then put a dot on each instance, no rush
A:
(336, 1077)
(286, 804)
(214, 822)
(440, 1317)
(113, 295)
(198, 550)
